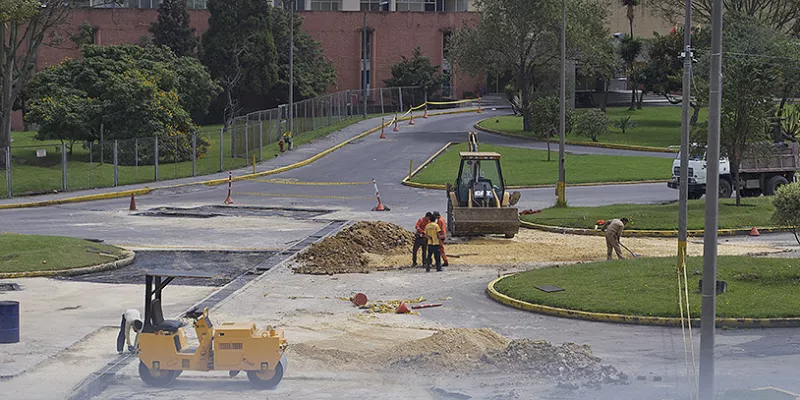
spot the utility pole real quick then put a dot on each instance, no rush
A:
(291, 67)
(685, 129)
(561, 186)
(364, 64)
(709, 305)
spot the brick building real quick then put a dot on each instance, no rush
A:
(394, 29)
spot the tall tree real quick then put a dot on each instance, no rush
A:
(781, 15)
(172, 28)
(416, 71)
(630, 48)
(313, 73)
(239, 49)
(530, 40)
(630, 5)
(23, 24)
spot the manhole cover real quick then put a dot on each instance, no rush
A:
(9, 287)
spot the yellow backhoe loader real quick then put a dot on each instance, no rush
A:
(164, 350)
(478, 202)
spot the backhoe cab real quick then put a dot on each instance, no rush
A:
(478, 203)
(164, 351)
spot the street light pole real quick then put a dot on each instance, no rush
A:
(709, 305)
(291, 65)
(364, 65)
(561, 186)
(684, 168)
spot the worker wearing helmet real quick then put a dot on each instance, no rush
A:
(614, 230)
(420, 240)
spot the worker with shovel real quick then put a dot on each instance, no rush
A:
(443, 226)
(613, 231)
(420, 240)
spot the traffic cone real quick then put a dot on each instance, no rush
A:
(380, 206)
(754, 232)
(479, 106)
(133, 203)
(229, 200)
(383, 124)
(411, 121)
(402, 309)
(396, 128)
(425, 116)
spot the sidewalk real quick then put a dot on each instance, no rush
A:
(282, 160)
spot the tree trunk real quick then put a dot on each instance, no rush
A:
(631, 15)
(641, 100)
(547, 140)
(526, 100)
(604, 99)
(6, 102)
(633, 93)
(735, 170)
(695, 114)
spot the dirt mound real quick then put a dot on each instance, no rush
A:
(346, 252)
(569, 362)
(448, 350)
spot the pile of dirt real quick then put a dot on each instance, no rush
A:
(448, 350)
(347, 251)
(569, 362)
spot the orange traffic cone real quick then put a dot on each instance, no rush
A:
(396, 128)
(380, 206)
(133, 203)
(402, 309)
(754, 232)
(411, 111)
(425, 116)
(479, 106)
(383, 124)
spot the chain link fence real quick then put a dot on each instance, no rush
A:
(58, 167)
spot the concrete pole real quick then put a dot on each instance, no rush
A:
(364, 65)
(685, 129)
(63, 167)
(291, 65)
(561, 187)
(709, 305)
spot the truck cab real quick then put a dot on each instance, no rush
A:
(697, 173)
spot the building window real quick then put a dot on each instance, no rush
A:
(299, 5)
(419, 5)
(374, 5)
(366, 74)
(326, 5)
(446, 87)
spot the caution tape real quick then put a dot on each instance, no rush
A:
(453, 102)
(293, 182)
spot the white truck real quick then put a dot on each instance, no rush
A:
(759, 175)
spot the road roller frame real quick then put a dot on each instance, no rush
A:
(164, 351)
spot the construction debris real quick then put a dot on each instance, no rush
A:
(348, 251)
(391, 306)
(457, 349)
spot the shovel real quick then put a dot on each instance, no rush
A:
(629, 251)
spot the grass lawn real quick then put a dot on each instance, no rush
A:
(656, 126)
(757, 287)
(32, 175)
(24, 253)
(753, 212)
(523, 167)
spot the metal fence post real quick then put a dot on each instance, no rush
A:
(246, 141)
(91, 166)
(116, 164)
(330, 109)
(313, 116)
(101, 144)
(175, 158)
(400, 91)
(260, 138)
(381, 95)
(221, 147)
(233, 138)
(8, 171)
(64, 167)
(194, 154)
(136, 159)
(348, 102)
(155, 152)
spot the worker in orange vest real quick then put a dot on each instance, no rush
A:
(443, 226)
(420, 240)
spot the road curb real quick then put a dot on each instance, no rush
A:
(647, 233)
(435, 186)
(576, 142)
(122, 262)
(214, 182)
(633, 319)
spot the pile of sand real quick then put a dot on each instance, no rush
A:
(566, 363)
(348, 251)
(448, 350)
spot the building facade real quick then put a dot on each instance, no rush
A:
(394, 28)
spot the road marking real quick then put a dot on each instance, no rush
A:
(206, 248)
(797, 396)
(296, 182)
(303, 196)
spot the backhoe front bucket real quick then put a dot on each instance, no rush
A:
(485, 220)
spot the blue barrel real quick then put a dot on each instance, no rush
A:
(9, 321)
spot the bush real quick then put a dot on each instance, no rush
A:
(787, 207)
(546, 116)
(625, 123)
(591, 123)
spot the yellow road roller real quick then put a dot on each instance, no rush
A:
(164, 351)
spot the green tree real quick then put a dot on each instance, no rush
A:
(591, 123)
(23, 24)
(781, 15)
(172, 28)
(239, 50)
(630, 5)
(787, 208)
(524, 37)
(134, 92)
(313, 73)
(630, 48)
(751, 82)
(416, 71)
(546, 116)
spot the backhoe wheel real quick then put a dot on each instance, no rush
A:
(509, 235)
(451, 226)
(156, 378)
(267, 379)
